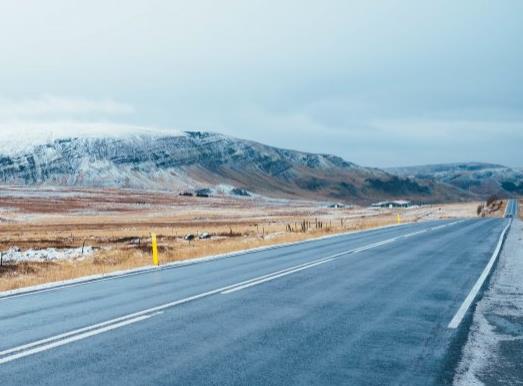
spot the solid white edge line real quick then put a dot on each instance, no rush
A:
(34, 347)
(460, 314)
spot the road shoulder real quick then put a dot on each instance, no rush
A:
(492, 353)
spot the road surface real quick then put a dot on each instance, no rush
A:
(512, 209)
(368, 308)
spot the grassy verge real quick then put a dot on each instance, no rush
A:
(130, 255)
(117, 224)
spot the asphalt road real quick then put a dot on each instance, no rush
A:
(512, 209)
(370, 308)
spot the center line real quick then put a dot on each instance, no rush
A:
(72, 339)
(275, 277)
(89, 331)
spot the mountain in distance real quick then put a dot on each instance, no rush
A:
(195, 160)
(483, 179)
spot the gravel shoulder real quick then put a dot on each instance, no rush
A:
(493, 351)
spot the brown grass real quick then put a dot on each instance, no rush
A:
(234, 225)
(127, 256)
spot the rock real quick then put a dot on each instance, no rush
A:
(205, 192)
(240, 192)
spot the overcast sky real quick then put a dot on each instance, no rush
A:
(381, 83)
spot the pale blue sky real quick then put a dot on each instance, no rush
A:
(381, 83)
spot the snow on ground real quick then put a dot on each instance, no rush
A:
(49, 254)
(29, 135)
(492, 354)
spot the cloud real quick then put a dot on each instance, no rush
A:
(374, 83)
(52, 106)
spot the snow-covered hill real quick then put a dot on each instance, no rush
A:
(477, 177)
(178, 161)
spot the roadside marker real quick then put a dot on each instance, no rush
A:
(155, 249)
(49, 343)
(398, 218)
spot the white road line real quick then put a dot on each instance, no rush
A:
(55, 286)
(511, 208)
(120, 320)
(154, 309)
(128, 316)
(379, 244)
(72, 339)
(507, 208)
(95, 329)
(327, 259)
(418, 232)
(9, 295)
(274, 277)
(460, 314)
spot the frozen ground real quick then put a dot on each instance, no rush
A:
(48, 254)
(494, 350)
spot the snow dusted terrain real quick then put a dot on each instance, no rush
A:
(40, 255)
(177, 161)
(19, 139)
(482, 178)
(493, 352)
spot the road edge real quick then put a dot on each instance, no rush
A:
(480, 282)
(175, 264)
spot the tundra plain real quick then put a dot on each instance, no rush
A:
(114, 226)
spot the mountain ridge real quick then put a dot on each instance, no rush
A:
(198, 159)
(480, 178)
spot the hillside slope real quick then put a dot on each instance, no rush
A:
(483, 179)
(192, 160)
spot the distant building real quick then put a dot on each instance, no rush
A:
(392, 204)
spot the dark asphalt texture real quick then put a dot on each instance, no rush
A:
(376, 317)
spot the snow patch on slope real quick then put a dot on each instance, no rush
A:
(18, 138)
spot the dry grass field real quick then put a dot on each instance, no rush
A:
(118, 223)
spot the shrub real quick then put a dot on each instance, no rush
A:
(479, 210)
(491, 199)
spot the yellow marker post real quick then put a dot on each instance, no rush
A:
(398, 218)
(155, 249)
